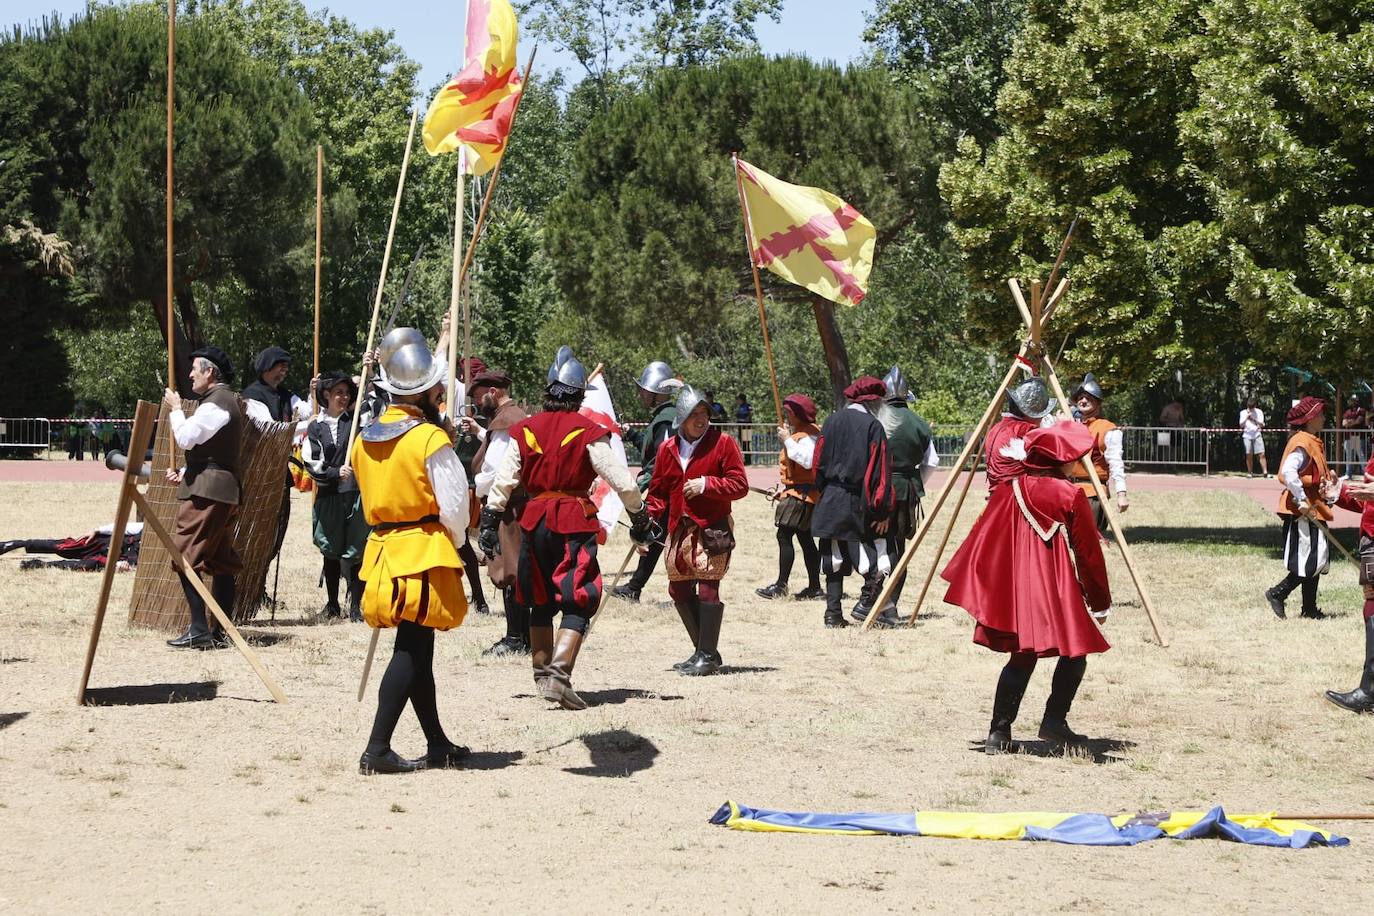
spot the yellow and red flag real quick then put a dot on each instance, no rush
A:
(475, 109)
(807, 236)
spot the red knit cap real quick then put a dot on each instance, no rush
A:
(1048, 447)
(865, 388)
(1309, 408)
(478, 367)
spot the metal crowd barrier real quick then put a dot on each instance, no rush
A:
(31, 433)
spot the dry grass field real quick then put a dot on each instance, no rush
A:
(226, 802)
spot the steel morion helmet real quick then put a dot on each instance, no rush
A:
(657, 378)
(1031, 399)
(566, 372)
(411, 369)
(688, 400)
(395, 339)
(895, 383)
(1089, 387)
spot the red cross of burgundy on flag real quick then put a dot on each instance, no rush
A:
(807, 236)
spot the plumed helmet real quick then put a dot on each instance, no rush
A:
(896, 385)
(1089, 387)
(567, 372)
(657, 378)
(688, 400)
(395, 339)
(1031, 399)
(411, 369)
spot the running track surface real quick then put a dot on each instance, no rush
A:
(1264, 491)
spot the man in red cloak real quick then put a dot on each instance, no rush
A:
(1015, 574)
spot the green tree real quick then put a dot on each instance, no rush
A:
(1215, 152)
(953, 50)
(646, 240)
(98, 91)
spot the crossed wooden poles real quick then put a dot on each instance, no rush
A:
(1035, 316)
(130, 496)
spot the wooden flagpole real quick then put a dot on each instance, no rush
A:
(319, 247)
(455, 286)
(386, 262)
(758, 284)
(495, 173)
(171, 293)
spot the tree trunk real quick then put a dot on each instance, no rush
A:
(182, 345)
(836, 356)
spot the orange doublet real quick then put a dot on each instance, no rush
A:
(1311, 476)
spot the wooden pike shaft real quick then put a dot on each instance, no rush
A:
(1101, 493)
(758, 284)
(455, 287)
(971, 472)
(144, 416)
(171, 286)
(319, 249)
(974, 441)
(606, 593)
(386, 262)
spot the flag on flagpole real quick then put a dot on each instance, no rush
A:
(807, 236)
(475, 109)
(596, 405)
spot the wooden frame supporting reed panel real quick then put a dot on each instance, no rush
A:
(138, 444)
(157, 601)
(129, 496)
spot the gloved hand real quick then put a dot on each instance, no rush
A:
(488, 533)
(644, 528)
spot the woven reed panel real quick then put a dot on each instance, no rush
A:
(157, 602)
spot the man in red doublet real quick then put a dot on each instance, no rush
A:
(1016, 576)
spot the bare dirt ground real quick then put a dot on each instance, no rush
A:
(230, 803)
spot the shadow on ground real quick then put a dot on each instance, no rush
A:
(616, 753)
(1098, 750)
(152, 694)
(615, 696)
(492, 760)
(9, 718)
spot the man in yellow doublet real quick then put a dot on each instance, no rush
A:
(415, 497)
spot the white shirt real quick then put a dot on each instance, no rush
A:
(685, 450)
(300, 412)
(450, 484)
(197, 429)
(497, 444)
(800, 452)
(1251, 422)
(1116, 468)
(1292, 467)
(308, 456)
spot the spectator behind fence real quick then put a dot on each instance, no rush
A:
(1354, 418)
(744, 415)
(1252, 437)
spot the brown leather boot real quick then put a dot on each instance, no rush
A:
(557, 687)
(541, 653)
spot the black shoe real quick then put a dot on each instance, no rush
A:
(507, 645)
(7, 546)
(189, 640)
(355, 613)
(390, 762)
(835, 622)
(888, 619)
(1314, 614)
(448, 758)
(999, 742)
(331, 610)
(482, 609)
(860, 611)
(1275, 604)
(1060, 735)
(627, 591)
(810, 593)
(1355, 701)
(769, 592)
(685, 663)
(701, 664)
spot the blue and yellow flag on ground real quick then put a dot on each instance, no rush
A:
(1071, 829)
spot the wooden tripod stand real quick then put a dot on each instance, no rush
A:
(130, 496)
(1035, 316)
